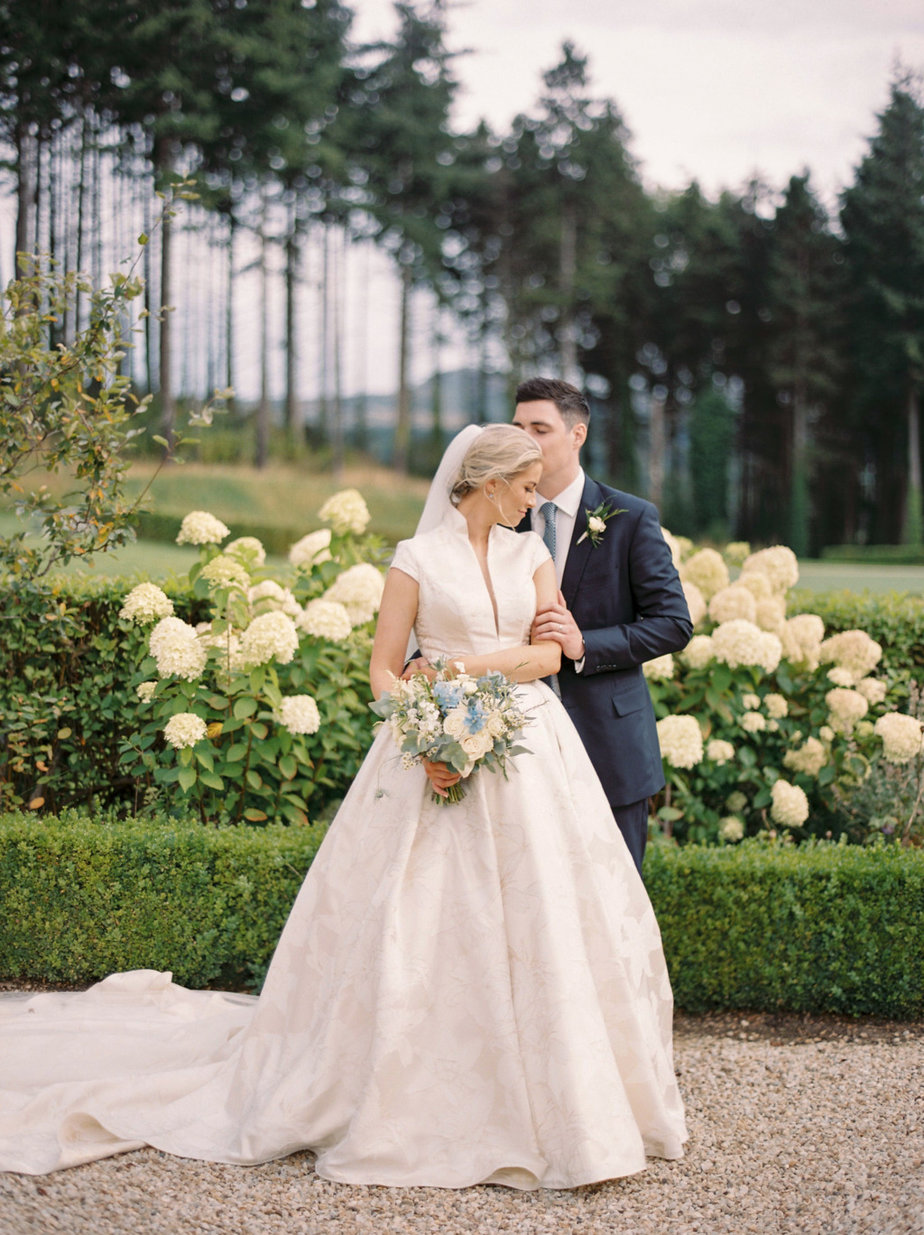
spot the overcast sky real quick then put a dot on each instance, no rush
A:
(710, 89)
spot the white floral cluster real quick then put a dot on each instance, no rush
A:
(845, 708)
(359, 589)
(778, 563)
(270, 596)
(698, 653)
(325, 619)
(809, 758)
(707, 570)
(901, 736)
(184, 729)
(681, 741)
(789, 805)
(311, 550)
(248, 550)
(346, 511)
(270, 636)
(720, 752)
(731, 828)
(201, 528)
(659, 669)
(852, 651)
(740, 642)
(225, 571)
(299, 714)
(146, 603)
(177, 649)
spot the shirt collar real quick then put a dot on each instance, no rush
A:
(569, 499)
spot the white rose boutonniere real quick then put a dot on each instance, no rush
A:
(597, 520)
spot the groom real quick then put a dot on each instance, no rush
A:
(620, 604)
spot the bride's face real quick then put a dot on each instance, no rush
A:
(514, 497)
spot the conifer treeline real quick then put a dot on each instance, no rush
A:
(756, 363)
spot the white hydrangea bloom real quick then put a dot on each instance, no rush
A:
(325, 619)
(146, 603)
(681, 741)
(789, 805)
(184, 729)
(736, 551)
(809, 758)
(839, 676)
(901, 737)
(177, 650)
(224, 571)
(270, 595)
(735, 802)
(750, 701)
(359, 590)
(826, 733)
(776, 705)
(201, 528)
(270, 636)
(312, 549)
(771, 614)
(299, 714)
(733, 602)
(719, 751)
(753, 722)
(346, 511)
(248, 549)
(659, 669)
(853, 650)
(707, 570)
(740, 642)
(673, 544)
(731, 828)
(696, 602)
(757, 583)
(873, 690)
(845, 708)
(779, 563)
(145, 690)
(698, 653)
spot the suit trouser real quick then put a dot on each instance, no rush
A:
(633, 823)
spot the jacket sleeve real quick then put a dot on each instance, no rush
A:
(662, 619)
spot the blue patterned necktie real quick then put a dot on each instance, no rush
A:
(548, 511)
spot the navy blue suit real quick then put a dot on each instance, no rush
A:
(627, 600)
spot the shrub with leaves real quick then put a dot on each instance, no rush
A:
(789, 718)
(254, 715)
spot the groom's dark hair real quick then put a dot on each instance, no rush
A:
(567, 398)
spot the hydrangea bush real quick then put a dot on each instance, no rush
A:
(247, 716)
(765, 723)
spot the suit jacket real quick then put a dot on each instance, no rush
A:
(627, 600)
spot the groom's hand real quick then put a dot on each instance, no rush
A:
(419, 664)
(555, 624)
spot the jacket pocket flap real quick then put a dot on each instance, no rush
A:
(632, 699)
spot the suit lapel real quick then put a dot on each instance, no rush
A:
(579, 554)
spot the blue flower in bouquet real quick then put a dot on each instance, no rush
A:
(464, 722)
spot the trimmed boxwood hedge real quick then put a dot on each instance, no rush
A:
(80, 897)
(821, 928)
(815, 928)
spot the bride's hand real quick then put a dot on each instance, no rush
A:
(419, 664)
(441, 776)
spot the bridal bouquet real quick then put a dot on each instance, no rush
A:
(456, 719)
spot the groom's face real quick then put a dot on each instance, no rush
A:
(560, 445)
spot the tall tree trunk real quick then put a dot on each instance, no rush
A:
(291, 278)
(361, 423)
(913, 533)
(229, 310)
(799, 482)
(657, 445)
(402, 438)
(165, 360)
(263, 407)
(567, 279)
(337, 356)
(324, 358)
(26, 191)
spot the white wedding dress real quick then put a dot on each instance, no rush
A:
(462, 994)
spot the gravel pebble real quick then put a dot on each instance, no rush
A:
(797, 1125)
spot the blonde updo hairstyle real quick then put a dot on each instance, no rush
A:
(499, 452)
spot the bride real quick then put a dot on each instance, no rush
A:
(462, 994)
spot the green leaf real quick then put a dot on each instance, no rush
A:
(287, 766)
(212, 779)
(186, 778)
(244, 706)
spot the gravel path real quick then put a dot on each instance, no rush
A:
(809, 1125)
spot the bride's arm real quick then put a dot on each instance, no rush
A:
(529, 661)
(392, 630)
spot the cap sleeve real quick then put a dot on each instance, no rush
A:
(539, 552)
(405, 559)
